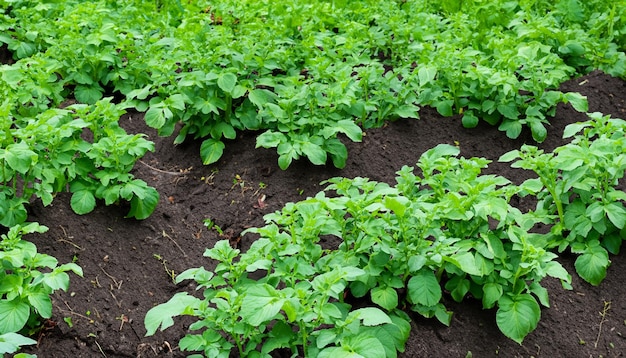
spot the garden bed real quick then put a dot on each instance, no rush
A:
(129, 264)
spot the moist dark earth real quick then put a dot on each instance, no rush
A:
(128, 264)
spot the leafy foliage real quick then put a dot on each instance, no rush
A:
(27, 278)
(451, 227)
(308, 74)
(577, 191)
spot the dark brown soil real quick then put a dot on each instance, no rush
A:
(127, 263)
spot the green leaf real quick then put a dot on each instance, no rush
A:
(592, 264)
(424, 288)
(509, 156)
(154, 117)
(469, 120)
(270, 139)
(13, 315)
(223, 129)
(616, 214)
(261, 303)
(83, 202)
(466, 262)
(574, 128)
(227, 81)
(385, 297)
(161, 315)
(11, 342)
(426, 74)
(350, 129)
(88, 94)
(338, 152)
(538, 130)
(578, 101)
(509, 110)
(19, 157)
(211, 151)
(143, 207)
(41, 303)
(491, 294)
(367, 347)
(315, 153)
(259, 97)
(445, 108)
(371, 316)
(512, 128)
(517, 316)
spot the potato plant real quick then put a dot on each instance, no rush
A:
(445, 229)
(305, 74)
(28, 279)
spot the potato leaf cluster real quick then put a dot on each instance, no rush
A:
(27, 278)
(443, 230)
(308, 73)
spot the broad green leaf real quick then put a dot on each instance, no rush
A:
(11, 342)
(424, 288)
(517, 316)
(385, 297)
(13, 315)
(541, 293)
(512, 128)
(270, 139)
(57, 280)
(538, 130)
(227, 81)
(616, 213)
(88, 94)
(466, 262)
(574, 128)
(469, 120)
(445, 108)
(339, 352)
(442, 150)
(509, 156)
(315, 153)
(41, 303)
(154, 117)
(592, 264)
(396, 204)
(20, 157)
(578, 101)
(509, 110)
(261, 303)
(161, 316)
(211, 151)
(367, 346)
(12, 75)
(83, 202)
(407, 111)
(284, 160)
(350, 129)
(426, 74)
(371, 316)
(338, 152)
(141, 208)
(260, 97)
(223, 129)
(458, 287)
(491, 294)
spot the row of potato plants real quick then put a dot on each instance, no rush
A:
(306, 72)
(442, 231)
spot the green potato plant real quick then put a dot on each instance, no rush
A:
(576, 188)
(450, 228)
(28, 278)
